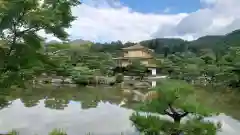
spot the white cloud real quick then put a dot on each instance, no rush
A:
(105, 23)
(221, 17)
(208, 2)
(109, 20)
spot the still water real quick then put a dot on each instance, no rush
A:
(77, 111)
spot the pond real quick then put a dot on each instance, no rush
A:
(77, 111)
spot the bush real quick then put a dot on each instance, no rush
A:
(119, 78)
(46, 81)
(81, 80)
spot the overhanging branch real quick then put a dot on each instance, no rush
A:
(184, 114)
(172, 109)
(167, 113)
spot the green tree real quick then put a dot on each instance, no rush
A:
(20, 22)
(177, 100)
(137, 68)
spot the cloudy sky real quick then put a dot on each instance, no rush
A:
(136, 20)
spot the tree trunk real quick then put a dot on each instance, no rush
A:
(177, 120)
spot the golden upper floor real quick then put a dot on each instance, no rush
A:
(137, 51)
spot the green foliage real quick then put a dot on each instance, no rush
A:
(208, 60)
(81, 80)
(176, 99)
(57, 132)
(114, 47)
(119, 78)
(101, 61)
(137, 68)
(79, 63)
(151, 125)
(206, 68)
(19, 23)
(199, 127)
(178, 94)
(154, 125)
(13, 133)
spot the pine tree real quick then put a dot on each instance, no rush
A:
(177, 100)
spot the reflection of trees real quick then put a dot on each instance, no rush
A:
(29, 101)
(4, 102)
(89, 104)
(54, 103)
(59, 97)
(30, 97)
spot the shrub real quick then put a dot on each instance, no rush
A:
(81, 80)
(119, 78)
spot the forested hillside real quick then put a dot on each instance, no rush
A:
(171, 45)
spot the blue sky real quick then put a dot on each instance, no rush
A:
(158, 6)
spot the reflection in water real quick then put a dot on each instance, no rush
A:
(4, 102)
(56, 103)
(59, 97)
(75, 110)
(154, 83)
(105, 119)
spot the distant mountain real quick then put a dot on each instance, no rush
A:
(164, 41)
(213, 42)
(52, 42)
(73, 42)
(233, 38)
(207, 39)
(206, 42)
(160, 44)
(234, 33)
(79, 42)
(171, 45)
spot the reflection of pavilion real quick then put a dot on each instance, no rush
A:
(138, 52)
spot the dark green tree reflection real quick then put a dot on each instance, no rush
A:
(4, 102)
(89, 104)
(55, 103)
(59, 97)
